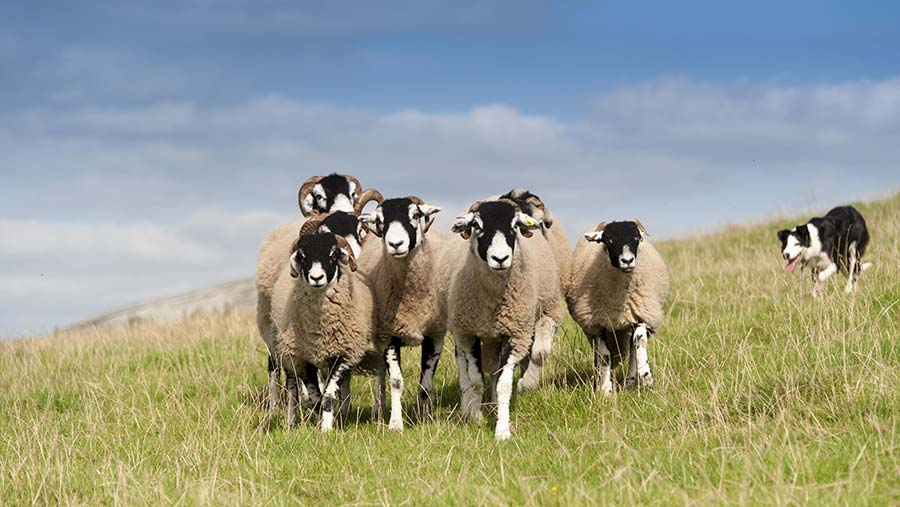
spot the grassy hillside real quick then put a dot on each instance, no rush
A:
(762, 396)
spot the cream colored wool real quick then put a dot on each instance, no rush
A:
(601, 297)
(406, 300)
(319, 326)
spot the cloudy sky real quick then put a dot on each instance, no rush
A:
(148, 146)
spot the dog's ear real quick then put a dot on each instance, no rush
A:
(783, 234)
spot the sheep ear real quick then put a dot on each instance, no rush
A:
(428, 209)
(595, 236)
(295, 268)
(463, 225)
(526, 223)
(347, 257)
(369, 218)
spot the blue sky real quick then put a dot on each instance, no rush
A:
(148, 146)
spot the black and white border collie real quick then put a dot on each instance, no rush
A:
(827, 244)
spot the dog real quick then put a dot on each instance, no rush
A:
(828, 244)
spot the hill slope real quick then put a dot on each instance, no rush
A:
(762, 396)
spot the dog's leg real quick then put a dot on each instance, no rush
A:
(851, 268)
(828, 272)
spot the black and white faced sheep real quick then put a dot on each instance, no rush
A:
(401, 269)
(323, 313)
(317, 195)
(618, 289)
(498, 288)
(555, 234)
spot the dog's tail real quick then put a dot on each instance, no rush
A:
(864, 266)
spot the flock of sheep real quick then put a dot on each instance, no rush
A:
(342, 290)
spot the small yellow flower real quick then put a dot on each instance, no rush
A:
(553, 489)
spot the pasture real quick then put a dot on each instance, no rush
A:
(762, 396)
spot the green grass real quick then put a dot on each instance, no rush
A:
(762, 396)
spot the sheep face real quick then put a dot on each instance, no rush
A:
(335, 192)
(347, 226)
(317, 259)
(621, 240)
(402, 223)
(491, 227)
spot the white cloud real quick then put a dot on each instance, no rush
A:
(177, 194)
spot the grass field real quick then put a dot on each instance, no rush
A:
(761, 396)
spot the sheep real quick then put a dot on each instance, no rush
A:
(323, 313)
(496, 289)
(562, 252)
(334, 192)
(617, 300)
(401, 270)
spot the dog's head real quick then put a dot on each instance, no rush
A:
(795, 245)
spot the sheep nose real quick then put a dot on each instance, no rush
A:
(500, 260)
(316, 278)
(627, 261)
(395, 244)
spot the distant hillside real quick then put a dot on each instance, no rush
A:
(219, 298)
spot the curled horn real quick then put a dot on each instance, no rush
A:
(343, 245)
(367, 195)
(639, 225)
(539, 204)
(311, 226)
(522, 229)
(429, 220)
(601, 226)
(305, 189)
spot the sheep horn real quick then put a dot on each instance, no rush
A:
(305, 189)
(311, 226)
(640, 226)
(601, 226)
(343, 245)
(430, 220)
(367, 195)
(511, 203)
(539, 204)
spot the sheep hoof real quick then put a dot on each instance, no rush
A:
(395, 425)
(502, 434)
(424, 407)
(643, 382)
(526, 384)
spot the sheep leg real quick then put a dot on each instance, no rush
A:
(639, 374)
(508, 359)
(431, 355)
(471, 382)
(602, 364)
(378, 409)
(293, 397)
(274, 388)
(345, 394)
(544, 331)
(332, 391)
(311, 385)
(392, 357)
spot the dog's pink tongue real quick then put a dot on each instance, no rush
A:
(793, 264)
